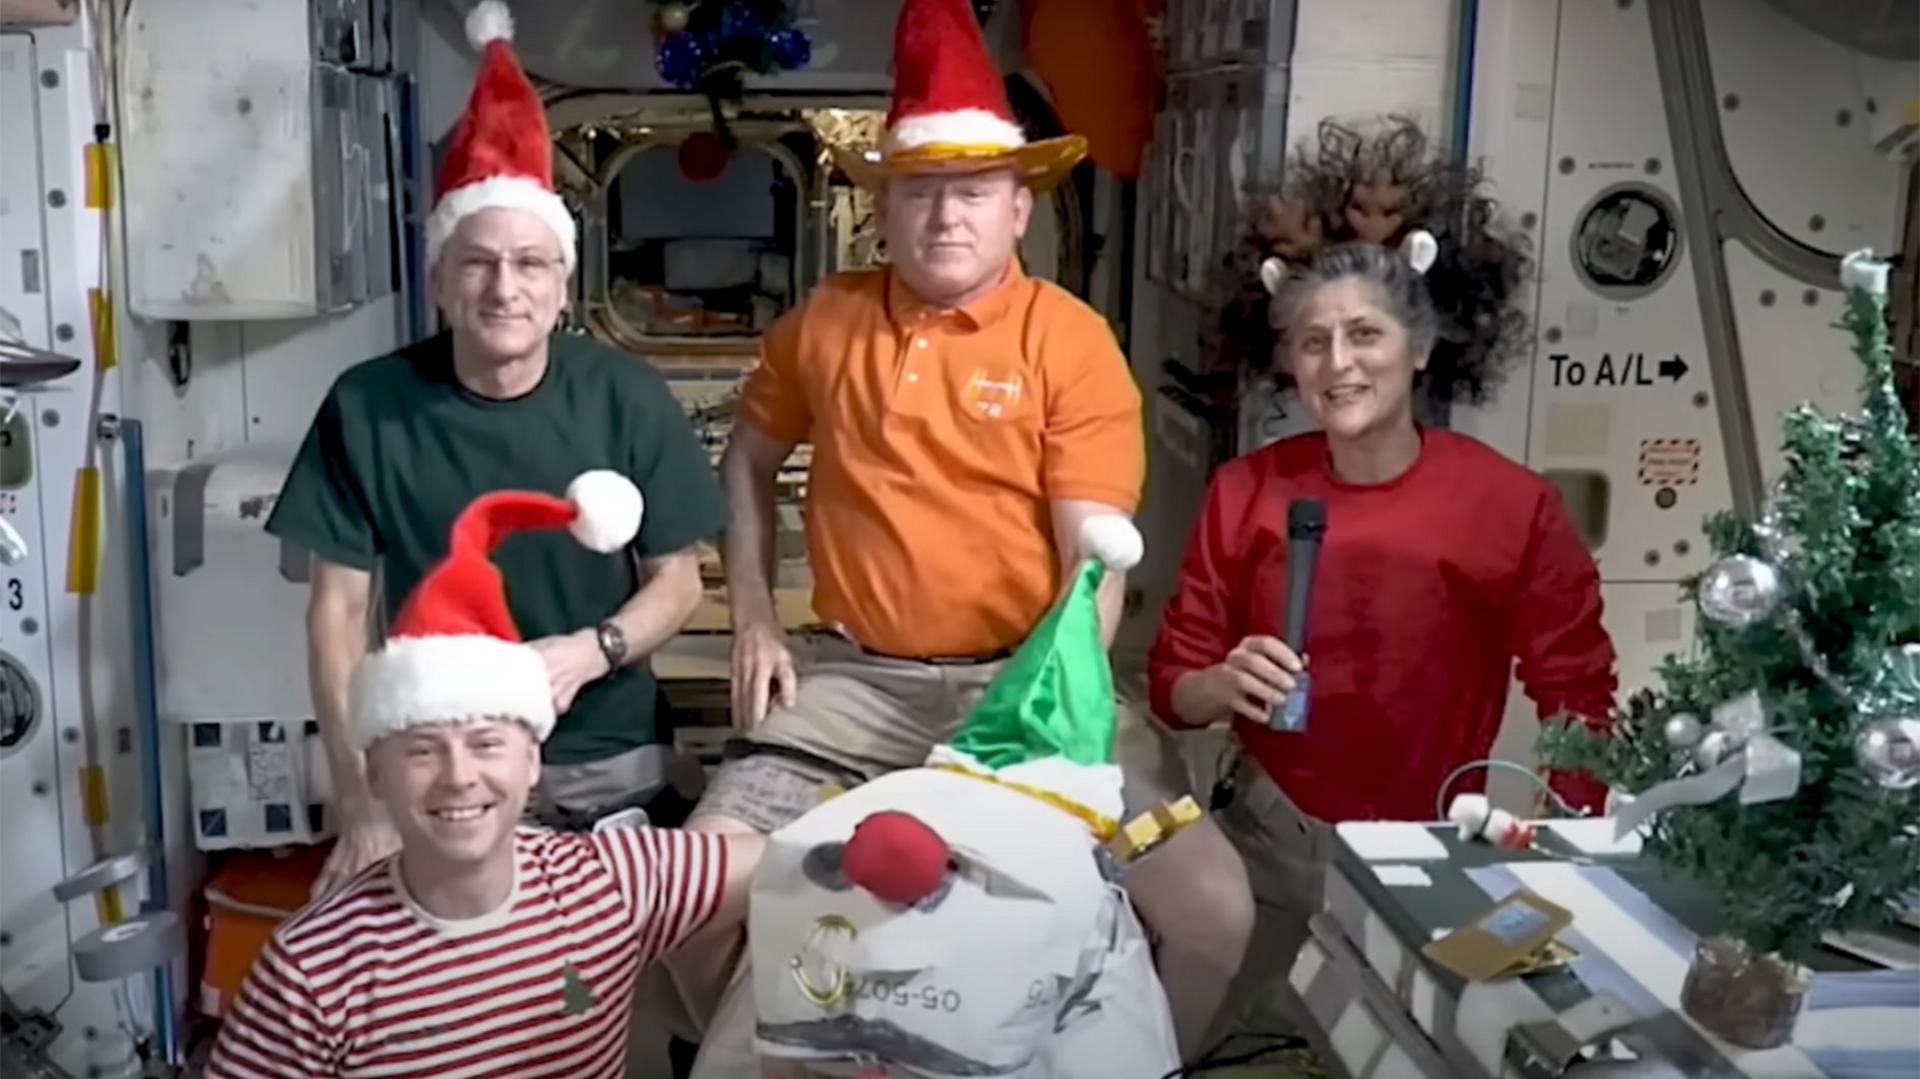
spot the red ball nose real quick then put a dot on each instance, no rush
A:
(896, 857)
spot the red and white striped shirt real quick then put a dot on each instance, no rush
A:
(366, 983)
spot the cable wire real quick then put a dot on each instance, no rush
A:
(1215, 1058)
(1559, 803)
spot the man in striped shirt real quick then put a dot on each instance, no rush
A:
(483, 948)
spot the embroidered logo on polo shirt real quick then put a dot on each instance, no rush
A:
(993, 397)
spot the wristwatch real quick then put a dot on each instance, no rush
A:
(613, 645)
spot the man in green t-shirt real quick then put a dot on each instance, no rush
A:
(500, 402)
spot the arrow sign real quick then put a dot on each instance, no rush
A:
(1674, 369)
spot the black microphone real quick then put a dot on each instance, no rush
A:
(1306, 524)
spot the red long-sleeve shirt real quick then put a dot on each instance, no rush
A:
(1427, 589)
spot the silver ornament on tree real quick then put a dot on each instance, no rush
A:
(1739, 591)
(673, 18)
(1888, 751)
(1682, 730)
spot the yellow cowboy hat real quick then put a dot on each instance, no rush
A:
(950, 112)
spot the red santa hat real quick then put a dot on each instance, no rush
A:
(501, 154)
(950, 110)
(453, 654)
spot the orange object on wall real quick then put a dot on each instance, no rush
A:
(251, 895)
(1099, 63)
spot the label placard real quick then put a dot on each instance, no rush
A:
(1669, 462)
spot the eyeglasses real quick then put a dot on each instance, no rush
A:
(479, 268)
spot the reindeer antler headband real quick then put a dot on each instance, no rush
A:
(1388, 190)
(1419, 248)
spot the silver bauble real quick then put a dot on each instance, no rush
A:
(1739, 591)
(1889, 752)
(673, 18)
(1682, 730)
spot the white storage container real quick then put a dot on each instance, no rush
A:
(230, 645)
(257, 784)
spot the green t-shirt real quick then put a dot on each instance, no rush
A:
(399, 448)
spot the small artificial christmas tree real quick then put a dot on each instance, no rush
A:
(1802, 695)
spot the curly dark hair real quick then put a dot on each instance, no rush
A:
(1375, 190)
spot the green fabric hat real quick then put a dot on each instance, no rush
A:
(1047, 721)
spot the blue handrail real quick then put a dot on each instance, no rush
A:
(140, 612)
(1464, 49)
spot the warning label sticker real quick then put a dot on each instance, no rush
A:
(1669, 462)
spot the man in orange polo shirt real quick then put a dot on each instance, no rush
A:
(965, 419)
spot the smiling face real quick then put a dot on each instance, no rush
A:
(455, 792)
(501, 282)
(1353, 361)
(951, 238)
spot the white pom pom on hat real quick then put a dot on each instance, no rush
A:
(489, 21)
(1113, 540)
(609, 510)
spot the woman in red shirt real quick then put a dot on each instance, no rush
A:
(1442, 564)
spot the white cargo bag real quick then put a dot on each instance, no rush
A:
(973, 981)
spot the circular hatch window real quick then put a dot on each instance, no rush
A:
(1627, 241)
(19, 703)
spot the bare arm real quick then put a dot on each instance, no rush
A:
(750, 470)
(650, 617)
(743, 857)
(661, 607)
(336, 640)
(1068, 514)
(761, 665)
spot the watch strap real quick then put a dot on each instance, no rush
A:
(613, 644)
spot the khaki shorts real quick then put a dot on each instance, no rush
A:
(1286, 854)
(858, 715)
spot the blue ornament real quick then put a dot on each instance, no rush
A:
(791, 49)
(681, 59)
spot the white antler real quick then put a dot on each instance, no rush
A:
(1421, 250)
(1272, 273)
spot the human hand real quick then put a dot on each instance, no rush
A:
(366, 836)
(1255, 676)
(761, 665)
(572, 660)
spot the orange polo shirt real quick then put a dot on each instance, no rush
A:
(939, 440)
